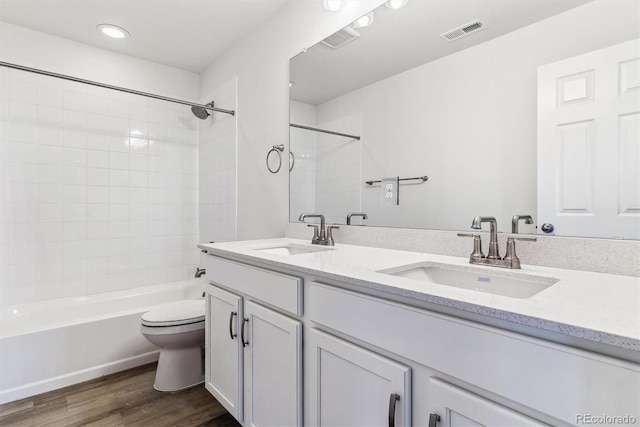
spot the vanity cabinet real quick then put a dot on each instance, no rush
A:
(352, 386)
(253, 357)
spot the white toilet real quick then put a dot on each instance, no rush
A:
(179, 329)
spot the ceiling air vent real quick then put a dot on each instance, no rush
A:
(463, 30)
(342, 37)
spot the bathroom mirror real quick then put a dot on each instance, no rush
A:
(449, 90)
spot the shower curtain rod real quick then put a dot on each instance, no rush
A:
(293, 125)
(106, 86)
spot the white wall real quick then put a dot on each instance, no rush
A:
(261, 62)
(302, 191)
(468, 121)
(217, 168)
(98, 188)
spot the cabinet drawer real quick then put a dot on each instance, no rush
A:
(276, 289)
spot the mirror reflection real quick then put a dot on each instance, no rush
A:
(527, 107)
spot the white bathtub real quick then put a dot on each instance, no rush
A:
(53, 344)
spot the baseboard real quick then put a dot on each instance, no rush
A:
(32, 389)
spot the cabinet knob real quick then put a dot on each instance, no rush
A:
(231, 334)
(393, 399)
(244, 342)
(433, 420)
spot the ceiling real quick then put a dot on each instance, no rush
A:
(186, 34)
(399, 40)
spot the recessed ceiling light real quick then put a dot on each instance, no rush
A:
(363, 21)
(333, 5)
(113, 31)
(396, 4)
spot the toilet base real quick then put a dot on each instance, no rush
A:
(179, 368)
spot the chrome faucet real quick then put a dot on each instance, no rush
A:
(200, 272)
(352, 214)
(516, 219)
(494, 251)
(510, 260)
(321, 235)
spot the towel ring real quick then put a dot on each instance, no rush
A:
(292, 161)
(276, 149)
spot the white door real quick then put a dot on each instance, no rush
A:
(273, 368)
(351, 386)
(589, 143)
(453, 407)
(223, 355)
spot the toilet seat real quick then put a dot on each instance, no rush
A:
(176, 314)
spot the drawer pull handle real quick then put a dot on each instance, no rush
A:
(244, 342)
(231, 334)
(393, 399)
(433, 420)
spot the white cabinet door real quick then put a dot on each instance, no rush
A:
(351, 386)
(589, 143)
(454, 407)
(223, 355)
(273, 367)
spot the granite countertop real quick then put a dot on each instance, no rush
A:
(597, 307)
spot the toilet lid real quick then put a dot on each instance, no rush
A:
(177, 313)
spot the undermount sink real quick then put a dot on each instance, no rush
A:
(293, 249)
(522, 286)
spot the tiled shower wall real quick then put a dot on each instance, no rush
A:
(98, 189)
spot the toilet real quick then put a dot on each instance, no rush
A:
(178, 328)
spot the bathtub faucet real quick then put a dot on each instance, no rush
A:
(200, 271)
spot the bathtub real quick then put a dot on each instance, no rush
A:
(53, 344)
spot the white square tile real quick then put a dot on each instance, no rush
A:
(97, 212)
(119, 108)
(49, 135)
(97, 104)
(118, 126)
(50, 115)
(50, 96)
(139, 179)
(23, 132)
(23, 92)
(119, 212)
(49, 155)
(139, 212)
(139, 196)
(119, 229)
(75, 194)
(139, 163)
(97, 194)
(74, 175)
(139, 245)
(76, 101)
(75, 231)
(97, 159)
(49, 251)
(139, 229)
(139, 129)
(139, 113)
(118, 178)
(97, 230)
(118, 247)
(119, 143)
(119, 195)
(74, 157)
(49, 212)
(98, 248)
(74, 250)
(97, 122)
(73, 213)
(74, 119)
(118, 160)
(74, 138)
(49, 174)
(97, 177)
(139, 146)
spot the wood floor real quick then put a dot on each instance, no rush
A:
(123, 399)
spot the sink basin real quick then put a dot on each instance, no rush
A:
(522, 286)
(293, 249)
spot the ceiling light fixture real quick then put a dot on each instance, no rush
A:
(332, 5)
(363, 21)
(113, 31)
(396, 4)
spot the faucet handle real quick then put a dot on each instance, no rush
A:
(316, 235)
(330, 241)
(477, 245)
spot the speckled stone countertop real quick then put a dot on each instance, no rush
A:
(597, 307)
